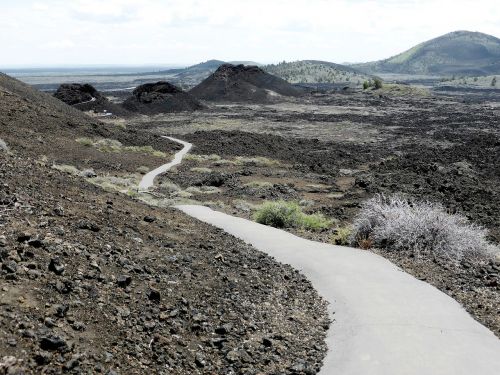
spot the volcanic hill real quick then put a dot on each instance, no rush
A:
(459, 52)
(239, 83)
(160, 97)
(86, 98)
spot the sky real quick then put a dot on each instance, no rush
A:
(183, 32)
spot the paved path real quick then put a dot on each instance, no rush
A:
(148, 179)
(386, 321)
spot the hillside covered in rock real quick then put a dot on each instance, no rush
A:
(96, 282)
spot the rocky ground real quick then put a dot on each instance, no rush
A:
(96, 282)
(331, 152)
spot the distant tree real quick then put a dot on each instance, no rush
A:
(377, 83)
(494, 82)
(475, 79)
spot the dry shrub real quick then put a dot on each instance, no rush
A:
(399, 223)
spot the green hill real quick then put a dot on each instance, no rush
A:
(313, 71)
(460, 52)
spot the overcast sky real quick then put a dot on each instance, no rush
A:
(129, 32)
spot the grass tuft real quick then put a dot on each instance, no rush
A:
(283, 214)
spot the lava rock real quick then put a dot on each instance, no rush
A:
(53, 343)
(123, 281)
(56, 266)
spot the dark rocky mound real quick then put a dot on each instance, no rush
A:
(76, 93)
(86, 98)
(239, 83)
(160, 97)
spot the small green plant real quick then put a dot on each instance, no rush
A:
(283, 214)
(342, 236)
(314, 222)
(112, 145)
(85, 141)
(201, 170)
(366, 85)
(377, 83)
(70, 169)
(142, 169)
(494, 82)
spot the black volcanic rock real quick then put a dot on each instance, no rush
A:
(240, 83)
(160, 97)
(86, 98)
(76, 93)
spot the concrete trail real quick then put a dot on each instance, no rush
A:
(148, 179)
(88, 101)
(386, 321)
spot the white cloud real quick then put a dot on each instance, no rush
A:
(188, 31)
(58, 44)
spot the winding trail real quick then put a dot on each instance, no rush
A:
(148, 179)
(88, 101)
(386, 321)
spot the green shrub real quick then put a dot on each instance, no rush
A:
(279, 214)
(85, 141)
(377, 83)
(342, 236)
(70, 169)
(366, 85)
(283, 214)
(201, 170)
(314, 222)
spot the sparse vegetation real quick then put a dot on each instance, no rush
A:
(202, 158)
(125, 184)
(402, 224)
(142, 169)
(314, 72)
(376, 83)
(201, 170)
(258, 184)
(112, 145)
(283, 214)
(494, 82)
(69, 169)
(258, 161)
(342, 236)
(203, 190)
